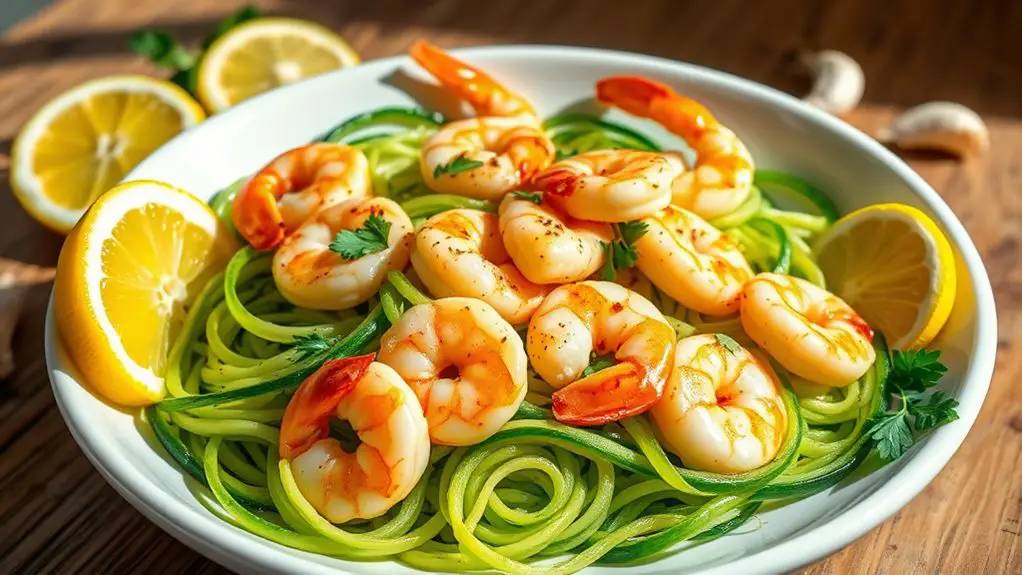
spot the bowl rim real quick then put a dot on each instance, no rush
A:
(233, 547)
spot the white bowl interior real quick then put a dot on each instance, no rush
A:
(780, 132)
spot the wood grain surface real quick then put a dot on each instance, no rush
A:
(58, 514)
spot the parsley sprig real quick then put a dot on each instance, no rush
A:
(369, 239)
(534, 197)
(456, 166)
(164, 50)
(621, 253)
(598, 363)
(912, 375)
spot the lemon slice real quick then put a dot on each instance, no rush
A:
(893, 265)
(265, 53)
(124, 277)
(85, 141)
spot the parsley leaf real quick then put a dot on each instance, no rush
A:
(598, 363)
(620, 253)
(161, 49)
(456, 166)
(534, 197)
(608, 272)
(311, 344)
(891, 435)
(562, 154)
(631, 231)
(938, 410)
(916, 370)
(913, 372)
(369, 239)
(728, 342)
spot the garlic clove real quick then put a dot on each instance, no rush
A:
(838, 82)
(944, 126)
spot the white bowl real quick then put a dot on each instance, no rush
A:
(781, 132)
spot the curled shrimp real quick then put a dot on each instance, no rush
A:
(721, 178)
(549, 246)
(384, 413)
(722, 409)
(294, 186)
(611, 185)
(309, 274)
(498, 151)
(808, 330)
(460, 253)
(577, 320)
(466, 364)
(693, 262)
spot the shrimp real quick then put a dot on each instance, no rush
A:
(693, 262)
(722, 409)
(460, 253)
(599, 317)
(294, 186)
(721, 178)
(464, 362)
(808, 330)
(611, 185)
(309, 274)
(549, 246)
(488, 156)
(394, 442)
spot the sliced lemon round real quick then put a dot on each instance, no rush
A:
(124, 278)
(84, 141)
(894, 266)
(265, 53)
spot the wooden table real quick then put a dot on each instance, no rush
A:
(58, 515)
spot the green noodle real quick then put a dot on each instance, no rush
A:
(536, 489)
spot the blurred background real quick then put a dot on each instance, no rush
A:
(60, 515)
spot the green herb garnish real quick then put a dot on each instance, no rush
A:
(621, 253)
(534, 197)
(728, 342)
(369, 239)
(913, 373)
(456, 166)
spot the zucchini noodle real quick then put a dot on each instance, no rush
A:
(538, 497)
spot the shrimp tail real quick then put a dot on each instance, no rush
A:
(611, 394)
(658, 102)
(255, 213)
(486, 96)
(307, 417)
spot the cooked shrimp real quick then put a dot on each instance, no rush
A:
(721, 410)
(611, 185)
(721, 178)
(460, 253)
(310, 275)
(810, 331)
(580, 319)
(294, 186)
(549, 246)
(465, 363)
(384, 413)
(693, 262)
(498, 151)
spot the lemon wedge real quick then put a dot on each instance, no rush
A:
(85, 141)
(265, 53)
(124, 278)
(894, 266)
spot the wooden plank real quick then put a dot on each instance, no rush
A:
(60, 516)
